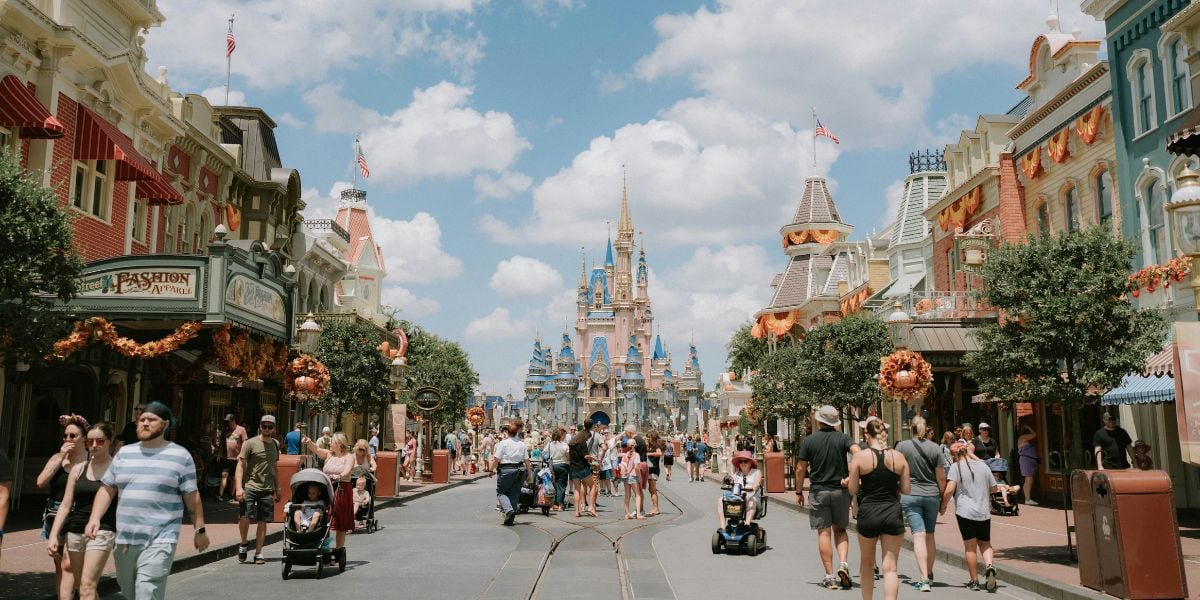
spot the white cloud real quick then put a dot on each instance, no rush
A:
(282, 43)
(524, 276)
(608, 82)
(497, 325)
(511, 383)
(437, 135)
(713, 292)
(409, 304)
(216, 96)
(891, 198)
(550, 8)
(869, 68)
(289, 119)
(501, 186)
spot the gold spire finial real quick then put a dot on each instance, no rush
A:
(626, 223)
(582, 267)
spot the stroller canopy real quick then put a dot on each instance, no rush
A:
(306, 476)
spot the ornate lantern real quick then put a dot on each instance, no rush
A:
(309, 335)
(1184, 209)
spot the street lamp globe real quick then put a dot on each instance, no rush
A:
(1184, 209)
(396, 370)
(309, 335)
(899, 326)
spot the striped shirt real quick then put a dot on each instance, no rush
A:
(151, 483)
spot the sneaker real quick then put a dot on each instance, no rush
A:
(242, 551)
(876, 573)
(924, 585)
(1032, 502)
(831, 583)
(990, 579)
(843, 575)
(510, 517)
(259, 560)
(973, 585)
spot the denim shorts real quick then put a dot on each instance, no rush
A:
(921, 511)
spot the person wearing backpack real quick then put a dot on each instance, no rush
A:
(927, 476)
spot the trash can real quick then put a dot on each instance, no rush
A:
(776, 482)
(441, 466)
(1085, 529)
(387, 470)
(285, 467)
(1137, 535)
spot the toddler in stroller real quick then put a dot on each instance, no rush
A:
(364, 504)
(1002, 503)
(311, 511)
(306, 529)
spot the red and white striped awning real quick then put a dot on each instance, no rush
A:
(97, 139)
(20, 110)
(1162, 363)
(158, 191)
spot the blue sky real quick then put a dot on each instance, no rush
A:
(496, 132)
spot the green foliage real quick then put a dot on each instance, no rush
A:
(437, 362)
(777, 388)
(745, 352)
(358, 375)
(744, 426)
(1069, 330)
(38, 263)
(839, 362)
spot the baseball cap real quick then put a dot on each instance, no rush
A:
(324, 430)
(984, 426)
(230, 417)
(267, 419)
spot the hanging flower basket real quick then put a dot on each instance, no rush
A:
(475, 415)
(1154, 277)
(905, 375)
(306, 378)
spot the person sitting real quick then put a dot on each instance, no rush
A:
(744, 481)
(309, 513)
(362, 499)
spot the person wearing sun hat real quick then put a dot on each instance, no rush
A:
(822, 458)
(745, 477)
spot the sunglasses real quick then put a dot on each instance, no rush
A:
(96, 441)
(70, 436)
(267, 426)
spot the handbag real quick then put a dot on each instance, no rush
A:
(542, 498)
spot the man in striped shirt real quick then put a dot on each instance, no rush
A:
(153, 478)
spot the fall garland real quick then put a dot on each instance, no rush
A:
(1151, 277)
(475, 415)
(905, 375)
(241, 355)
(99, 329)
(306, 378)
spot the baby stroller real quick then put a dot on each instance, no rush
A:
(366, 514)
(311, 547)
(999, 469)
(739, 534)
(536, 487)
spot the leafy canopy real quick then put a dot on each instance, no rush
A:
(778, 391)
(1069, 332)
(357, 372)
(745, 352)
(840, 362)
(437, 362)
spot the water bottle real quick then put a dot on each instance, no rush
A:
(737, 489)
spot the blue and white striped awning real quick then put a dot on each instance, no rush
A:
(1136, 389)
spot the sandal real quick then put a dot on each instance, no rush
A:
(592, 513)
(259, 560)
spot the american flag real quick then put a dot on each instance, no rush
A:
(230, 42)
(362, 164)
(821, 130)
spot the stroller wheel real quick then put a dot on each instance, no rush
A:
(287, 569)
(342, 562)
(320, 569)
(545, 511)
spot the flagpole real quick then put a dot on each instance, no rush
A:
(354, 171)
(814, 140)
(228, 63)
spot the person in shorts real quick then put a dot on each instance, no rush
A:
(256, 487)
(823, 459)
(971, 484)
(927, 477)
(235, 436)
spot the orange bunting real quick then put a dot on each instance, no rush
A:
(1087, 127)
(1031, 163)
(822, 236)
(757, 331)
(957, 214)
(778, 323)
(1058, 146)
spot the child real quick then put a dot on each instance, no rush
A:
(745, 479)
(1141, 456)
(362, 499)
(311, 510)
(629, 475)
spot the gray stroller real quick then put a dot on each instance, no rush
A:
(310, 547)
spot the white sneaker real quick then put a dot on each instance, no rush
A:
(1032, 502)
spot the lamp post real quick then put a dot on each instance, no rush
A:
(899, 326)
(1184, 210)
(308, 336)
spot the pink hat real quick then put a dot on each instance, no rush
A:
(744, 456)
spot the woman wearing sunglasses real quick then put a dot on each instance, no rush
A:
(85, 558)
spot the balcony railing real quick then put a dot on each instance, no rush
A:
(933, 306)
(327, 225)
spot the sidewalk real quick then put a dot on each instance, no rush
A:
(1031, 549)
(27, 572)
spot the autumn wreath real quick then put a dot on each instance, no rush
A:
(241, 355)
(905, 375)
(99, 329)
(475, 415)
(306, 378)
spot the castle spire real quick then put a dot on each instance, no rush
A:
(626, 223)
(582, 268)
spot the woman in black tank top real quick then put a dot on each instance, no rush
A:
(87, 557)
(55, 478)
(878, 477)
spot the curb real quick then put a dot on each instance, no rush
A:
(108, 583)
(1056, 590)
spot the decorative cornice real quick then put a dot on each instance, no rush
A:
(1091, 76)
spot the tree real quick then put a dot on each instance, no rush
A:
(38, 262)
(1068, 331)
(357, 372)
(443, 364)
(778, 391)
(839, 362)
(745, 352)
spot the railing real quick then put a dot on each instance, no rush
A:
(932, 306)
(327, 225)
(347, 318)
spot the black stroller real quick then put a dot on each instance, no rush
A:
(1002, 503)
(310, 547)
(366, 514)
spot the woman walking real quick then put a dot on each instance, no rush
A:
(629, 476)
(581, 470)
(55, 477)
(654, 454)
(338, 465)
(668, 458)
(971, 484)
(87, 557)
(612, 464)
(410, 455)
(927, 476)
(1028, 455)
(364, 463)
(558, 453)
(877, 478)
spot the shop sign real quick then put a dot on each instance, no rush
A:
(427, 399)
(140, 282)
(246, 293)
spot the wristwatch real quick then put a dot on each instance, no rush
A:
(200, 530)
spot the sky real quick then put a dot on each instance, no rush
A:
(498, 132)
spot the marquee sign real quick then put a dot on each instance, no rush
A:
(141, 282)
(248, 294)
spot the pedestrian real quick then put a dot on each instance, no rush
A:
(612, 462)
(325, 439)
(365, 465)
(55, 477)
(151, 481)
(1027, 455)
(6, 479)
(1141, 456)
(878, 478)
(927, 478)
(373, 444)
(486, 443)
(984, 447)
(293, 437)
(822, 458)
(967, 434)
(410, 455)
(557, 454)
(511, 463)
(629, 476)
(948, 439)
(451, 442)
(596, 448)
(971, 484)
(256, 488)
(745, 478)
(234, 438)
(338, 465)
(1111, 444)
(654, 454)
(129, 432)
(87, 557)
(581, 471)
(668, 458)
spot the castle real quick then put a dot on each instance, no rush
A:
(603, 373)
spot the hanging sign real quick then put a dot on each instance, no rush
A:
(140, 282)
(427, 399)
(246, 293)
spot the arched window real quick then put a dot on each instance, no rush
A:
(1071, 209)
(1176, 74)
(1141, 82)
(204, 235)
(1160, 247)
(189, 228)
(1043, 219)
(1103, 186)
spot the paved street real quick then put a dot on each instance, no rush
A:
(450, 545)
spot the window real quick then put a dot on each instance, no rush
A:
(1104, 197)
(1071, 210)
(169, 232)
(1043, 219)
(1160, 249)
(1180, 92)
(189, 228)
(91, 189)
(1145, 96)
(1139, 71)
(137, 221)
(6, 137)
